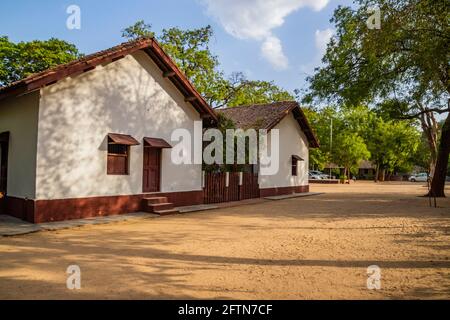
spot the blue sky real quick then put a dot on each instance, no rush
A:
(280, 40)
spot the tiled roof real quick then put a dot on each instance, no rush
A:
(89, 62)
(267, 116)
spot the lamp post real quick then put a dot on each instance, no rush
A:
(331, 140)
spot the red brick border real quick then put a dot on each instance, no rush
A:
(39, 211)
(270, 192)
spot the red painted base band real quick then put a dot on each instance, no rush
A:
(39, 211)
(270, 192)
(20, 208)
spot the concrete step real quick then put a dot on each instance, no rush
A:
(166, 212)
(156, 200)
(160, 206)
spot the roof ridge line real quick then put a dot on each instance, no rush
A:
(260, 104)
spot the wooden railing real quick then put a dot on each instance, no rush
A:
(250, 186)
(224, 187)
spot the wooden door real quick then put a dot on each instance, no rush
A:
(4, 144)
(152, 170)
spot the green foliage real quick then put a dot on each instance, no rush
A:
(191, 52)
(224, 123)
(405, 64)
(363, 134)
(407, 59)
(258, 92)
(394, 145)
(138, 30)
(318, 158)
(321, 122)
(19, 60)
(349, 149)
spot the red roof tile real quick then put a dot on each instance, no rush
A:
(89, 62)
(267, 116)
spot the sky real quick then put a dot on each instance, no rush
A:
(273, 40)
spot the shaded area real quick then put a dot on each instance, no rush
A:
(300, 248)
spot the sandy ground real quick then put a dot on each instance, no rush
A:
(303, 248)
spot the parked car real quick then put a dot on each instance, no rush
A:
(320, 174)
(420, 177)
(314, 176)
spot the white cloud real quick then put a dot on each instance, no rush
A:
(272, 50)
(255, 19)
(323, 37)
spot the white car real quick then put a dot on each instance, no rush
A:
(420, 177)
(320, 174)
(314, 176)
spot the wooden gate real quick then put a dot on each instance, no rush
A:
(215, 187)
(250, 186)
(233, 187)
(217, 191)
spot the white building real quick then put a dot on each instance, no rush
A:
(93, 138)
(295, 139)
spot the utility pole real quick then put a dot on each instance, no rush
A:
(331, 141)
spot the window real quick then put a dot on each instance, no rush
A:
(119, 153)
(295, 160)
(294, 167)
(118, 158)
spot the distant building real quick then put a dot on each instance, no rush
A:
(366, 169)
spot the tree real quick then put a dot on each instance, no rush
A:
(407, 60)
(191, 52)
(394, 109)
(19, 60)
(393, 146)
(320, 120)
(258, 92)
(139, 30)
(349, 149)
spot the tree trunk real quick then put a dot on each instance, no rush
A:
(430, 129)
(382, 175)
(377, 172)
(440, 172)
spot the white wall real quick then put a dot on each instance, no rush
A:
(292, 142)
(19, 116)
(128, 96)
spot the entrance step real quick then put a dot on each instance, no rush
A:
(156, 200)
(159, 205)
(166, 212)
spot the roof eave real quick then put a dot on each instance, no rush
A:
(148, 45)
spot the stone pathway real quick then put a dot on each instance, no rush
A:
(200, 207)
(10, 226)
(294, 195)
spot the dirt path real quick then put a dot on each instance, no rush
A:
(304, 248)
